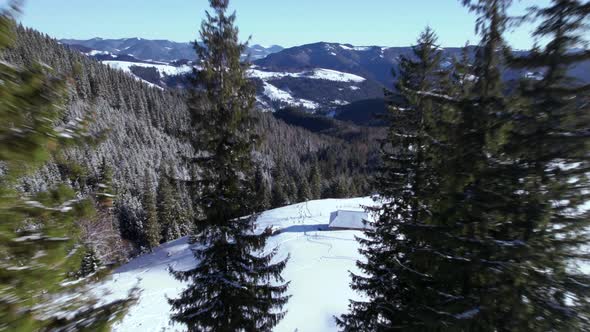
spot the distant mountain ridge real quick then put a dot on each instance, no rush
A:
(154, 50)
(334, 79)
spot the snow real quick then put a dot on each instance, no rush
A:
(536, 76)
(318, 269)
(95, 52)
(333, 75)
(340, 102)
(316, 74)
(354, 88)
(355, 48)
(276, 94)
(162, 68)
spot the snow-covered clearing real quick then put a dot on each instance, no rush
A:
(275, 94)
(315, 74)
(318, 269)
(162, 68)
(355, 48)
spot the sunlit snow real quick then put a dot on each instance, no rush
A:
(316, 74)
(162, 68)
(278, 95)
(318, 269)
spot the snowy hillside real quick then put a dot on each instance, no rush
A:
(318, 269)
(308, 89)
(163, 68)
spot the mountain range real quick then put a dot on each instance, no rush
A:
(154, 50)
(333, 79)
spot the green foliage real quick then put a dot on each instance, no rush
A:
(261, 188)
(482, 224)
(235, 286)
(151, 223)
(105, 182)
(171, 215)
(406, 180)
(37, 232)
(90, 263)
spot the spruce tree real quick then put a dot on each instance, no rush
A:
(38, 231)
(105, 183)
(548, 145)
(315, 181)
(90, 263)
(279, 194)
(303, 191)
(169, 210)
(150, 221)
(494, 248)
(263, 195)
(393, 249)
(235, 287)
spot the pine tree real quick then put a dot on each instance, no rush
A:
(393, 249)
(235, 287)
(37, 232)
(150, 221)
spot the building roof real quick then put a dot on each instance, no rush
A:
(349, 219)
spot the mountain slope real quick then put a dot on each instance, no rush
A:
(371, 62)
(146, 132)
(318, 269)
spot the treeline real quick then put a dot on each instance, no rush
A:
(145, 142)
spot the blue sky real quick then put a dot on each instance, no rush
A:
(283, 22)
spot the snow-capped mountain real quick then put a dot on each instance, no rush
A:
(334, 79)
(155, 50)
(319, 269)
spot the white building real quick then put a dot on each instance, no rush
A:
(345, 219)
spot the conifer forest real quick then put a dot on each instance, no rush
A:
(219, 185)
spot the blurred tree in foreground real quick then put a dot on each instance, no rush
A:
(38, 232)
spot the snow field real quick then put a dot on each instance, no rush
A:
(318, 269)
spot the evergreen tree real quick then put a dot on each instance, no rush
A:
(263, 195)
(37, 232)
(394, 248)
(90, 263)
(233, 288)
(338, 188)
(315, 181)
(150, 221)
(548, 147)
(492, 249)
(304, 191)
(169, 210)
(279, 196)
(105, 183)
